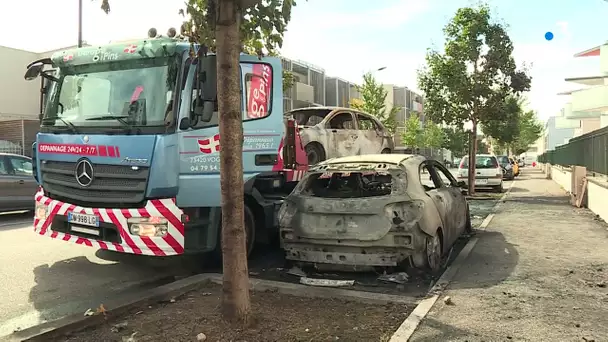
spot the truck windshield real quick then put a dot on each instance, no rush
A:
(116, 94)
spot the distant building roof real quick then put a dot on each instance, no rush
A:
(590, 52)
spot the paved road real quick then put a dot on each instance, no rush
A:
(44, 279)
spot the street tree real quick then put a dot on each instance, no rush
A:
(530, 130)
(373, 101)
(470, 79)
(456, 140)
(433, 135)
(413, 136)
(227, 27)
(505, 128)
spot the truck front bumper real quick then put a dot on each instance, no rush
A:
(156, 229)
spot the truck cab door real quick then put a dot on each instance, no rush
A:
(200, 142)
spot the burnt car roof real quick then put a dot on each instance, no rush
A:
(372, 158)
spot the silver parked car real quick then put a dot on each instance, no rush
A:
(17, 183)
(488, 172)
(331, 132)
(374, 210)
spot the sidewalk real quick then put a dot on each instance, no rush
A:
(538, 273)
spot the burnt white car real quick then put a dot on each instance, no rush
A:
(331, 132)
(380, 210)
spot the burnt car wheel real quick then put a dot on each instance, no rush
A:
(433, 252)
(315, 153)
(386, 151)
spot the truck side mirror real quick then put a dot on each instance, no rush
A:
(33, 71)
(205, 110)
(184, 124)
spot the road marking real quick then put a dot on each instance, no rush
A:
(17, 223)
(411, 323)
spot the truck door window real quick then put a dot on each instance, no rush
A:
(256, 94)
(342, 121)
(258, 90)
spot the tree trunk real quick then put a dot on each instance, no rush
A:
(236, 305)
(472, 161)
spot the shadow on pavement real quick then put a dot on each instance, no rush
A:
(491, 262)
(75, 285)
(541, 200)
(443, 332)
(15, 220)
(518, 189)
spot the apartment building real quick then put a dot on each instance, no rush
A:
(309, 87)
(409, 102)
(587, 109)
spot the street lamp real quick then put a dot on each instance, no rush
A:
(79, 23)
(382, 68)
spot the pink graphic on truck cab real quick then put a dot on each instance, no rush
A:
(258, 99)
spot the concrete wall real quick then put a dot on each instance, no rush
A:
(18, 98)
(597, 190)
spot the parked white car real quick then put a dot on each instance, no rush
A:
(488, 172)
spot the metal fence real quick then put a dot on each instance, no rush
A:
(589, 150)
(17, 136)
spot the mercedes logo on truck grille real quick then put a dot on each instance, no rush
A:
(84, 173)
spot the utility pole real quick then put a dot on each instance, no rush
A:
(79, 23)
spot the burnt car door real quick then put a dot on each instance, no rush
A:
(432, 186)
(457, 202)
(342, 135)
(371, 135)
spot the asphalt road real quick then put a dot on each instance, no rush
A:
(45, 279)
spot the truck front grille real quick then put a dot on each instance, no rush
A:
(119, 185)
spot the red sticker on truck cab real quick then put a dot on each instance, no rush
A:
(80, 149)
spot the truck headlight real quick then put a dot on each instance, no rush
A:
(148, 226)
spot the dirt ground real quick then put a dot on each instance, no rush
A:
(538, 273)
(278, 317)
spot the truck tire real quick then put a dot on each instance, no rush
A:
(249, 231)
(315, 153)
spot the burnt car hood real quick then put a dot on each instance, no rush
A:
(363, 219)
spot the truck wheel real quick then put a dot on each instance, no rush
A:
(315, 153)
(249, 232)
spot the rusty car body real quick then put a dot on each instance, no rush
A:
(381, 210)
(331, 132)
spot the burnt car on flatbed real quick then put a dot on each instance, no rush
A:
(382, 210)
(330, 132)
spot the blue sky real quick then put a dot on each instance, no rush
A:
(347, 38)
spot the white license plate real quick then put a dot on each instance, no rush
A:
(83, 219)
(481, 181)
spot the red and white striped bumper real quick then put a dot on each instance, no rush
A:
(170, 244)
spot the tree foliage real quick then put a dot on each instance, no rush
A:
(505, 129)
(530, 130)
(373, 101)
(433, 135)
(472, 77)
(413, 136)
(456, 140)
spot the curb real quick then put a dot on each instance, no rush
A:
(117, 306)
(411, 323)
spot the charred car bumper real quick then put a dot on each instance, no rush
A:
(392, 250)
